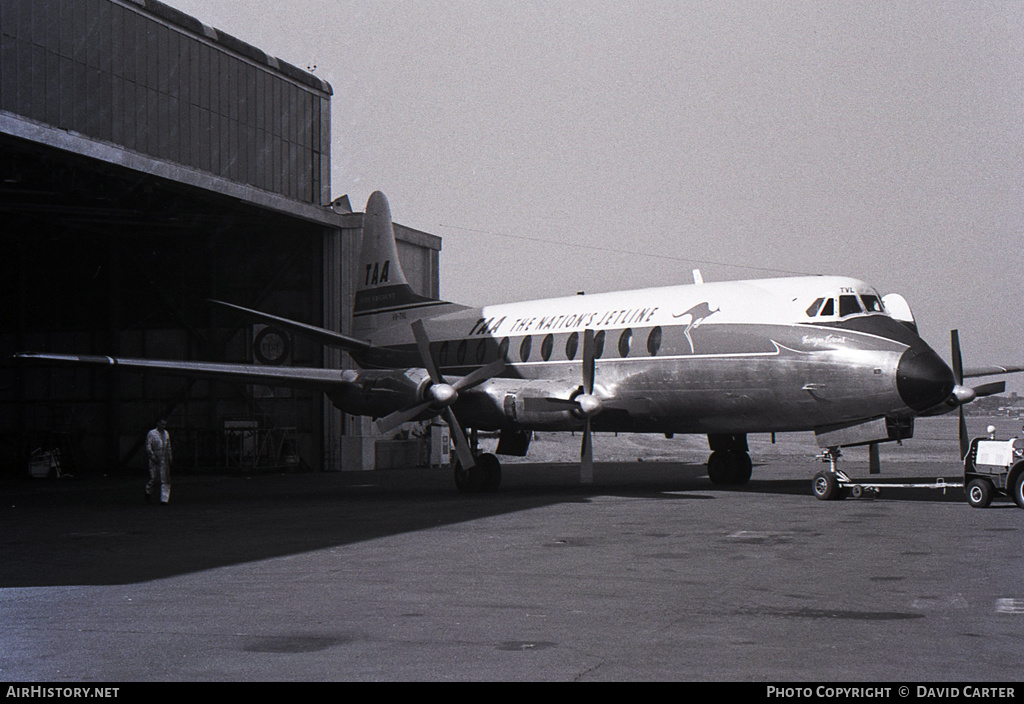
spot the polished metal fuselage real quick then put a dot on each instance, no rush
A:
(737, 357)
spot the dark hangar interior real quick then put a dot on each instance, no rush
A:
(148, 163)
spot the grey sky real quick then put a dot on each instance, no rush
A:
(566, 146)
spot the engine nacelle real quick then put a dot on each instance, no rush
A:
(377, 393)
(537, 405)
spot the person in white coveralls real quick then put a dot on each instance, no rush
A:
(158, 448)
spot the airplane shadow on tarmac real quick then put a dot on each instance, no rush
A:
(100, 532)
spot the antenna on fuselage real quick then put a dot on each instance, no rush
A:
(697, 278)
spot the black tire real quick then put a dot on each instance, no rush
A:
(490, 469)
(1018, 490)
(743, 466)
(979, 493)
(718, 469)
(467, 481)
(729, 467)
(825, 486)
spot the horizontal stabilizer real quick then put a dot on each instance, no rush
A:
(325, 336)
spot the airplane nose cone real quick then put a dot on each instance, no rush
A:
(923, 379)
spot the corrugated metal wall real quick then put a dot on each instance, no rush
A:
(162, 84)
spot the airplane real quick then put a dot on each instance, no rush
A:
(723, 359)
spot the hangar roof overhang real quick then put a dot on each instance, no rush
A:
(26, 139)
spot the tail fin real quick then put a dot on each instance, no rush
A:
(383, 294)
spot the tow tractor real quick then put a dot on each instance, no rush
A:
(991, 468)
(994, 468)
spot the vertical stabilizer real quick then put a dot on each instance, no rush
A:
(383, 294)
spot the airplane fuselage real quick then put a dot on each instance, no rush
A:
(768, 355)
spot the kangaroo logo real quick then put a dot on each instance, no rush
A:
(693, 319)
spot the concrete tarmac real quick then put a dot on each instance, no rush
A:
(650, 573)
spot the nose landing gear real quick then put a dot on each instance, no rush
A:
(832, 483)
(828, 484)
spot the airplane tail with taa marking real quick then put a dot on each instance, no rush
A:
(383, 294)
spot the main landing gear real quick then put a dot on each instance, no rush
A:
(729, 463)
(484, 476)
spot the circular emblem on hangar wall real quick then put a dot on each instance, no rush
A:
(271, 346)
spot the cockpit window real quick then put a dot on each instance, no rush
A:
(872, 303)
(849, 305)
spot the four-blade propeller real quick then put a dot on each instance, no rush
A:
(963, 395)
(440, 396)
(583, 404)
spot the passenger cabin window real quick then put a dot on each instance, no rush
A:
(525, 348)
(547, 346)
(624, 339)
(572, 345)
(654, 341)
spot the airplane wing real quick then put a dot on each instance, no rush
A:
(413, 393)
(991, 370)
(303, 377)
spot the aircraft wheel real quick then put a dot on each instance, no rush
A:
(468, 481)
(825, 486)
(718, 470)
(979, 493)
(485, 476)
(729, 467)
(490, 469)
(743, 466)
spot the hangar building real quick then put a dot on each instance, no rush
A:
(147, 163)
